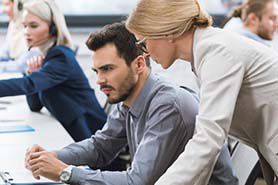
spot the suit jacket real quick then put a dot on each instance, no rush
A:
(238, 95)
(61, 86)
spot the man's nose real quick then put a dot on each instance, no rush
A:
(101, 79)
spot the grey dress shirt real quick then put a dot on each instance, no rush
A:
(156, 128)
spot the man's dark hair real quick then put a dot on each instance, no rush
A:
(117, 34)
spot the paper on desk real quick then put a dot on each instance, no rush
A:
(25, 177)
(10, 120)
(13, 128)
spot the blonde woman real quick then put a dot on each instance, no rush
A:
(55, 79)
(13, 53)
(15, 42)
(238, 85)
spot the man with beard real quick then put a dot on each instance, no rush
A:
(259, 19)
(154, 118)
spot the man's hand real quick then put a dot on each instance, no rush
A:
(46, 164)
(34, 64)
(33, 149)
(43, 163)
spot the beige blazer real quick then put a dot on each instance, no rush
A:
(238, 81)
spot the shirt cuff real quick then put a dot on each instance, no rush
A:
(77, 175)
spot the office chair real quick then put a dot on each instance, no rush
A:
(245, 162)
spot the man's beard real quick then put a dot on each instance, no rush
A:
(264, 33)
(125, 89)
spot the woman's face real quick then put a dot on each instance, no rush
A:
(8, 8)
(161, 50)
(36, 30)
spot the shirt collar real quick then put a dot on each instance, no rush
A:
(138, 106)
(254, 36)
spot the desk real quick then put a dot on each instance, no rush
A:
(49, 133)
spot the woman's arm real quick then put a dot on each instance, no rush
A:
(221, 77)
(54, 71)
(34, 102)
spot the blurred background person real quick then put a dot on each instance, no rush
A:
(232, 23)
(15, 42)
(275, 40)
(14, 54)
(55, 79)
(259, 20)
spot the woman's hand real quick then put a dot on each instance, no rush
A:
(34, 64)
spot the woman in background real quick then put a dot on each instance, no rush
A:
(14, 54)
(238, 85)
(55, 79)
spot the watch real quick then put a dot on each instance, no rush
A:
(65, 175)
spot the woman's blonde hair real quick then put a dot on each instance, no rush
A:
(160, 18)
(15, 34)
(48, 11)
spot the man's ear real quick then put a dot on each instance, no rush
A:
(253, 19)
(140, 64)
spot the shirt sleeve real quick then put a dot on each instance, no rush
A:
(18, 65)
(4, 53)
(221, 76)
(163, 137)
(101, 148)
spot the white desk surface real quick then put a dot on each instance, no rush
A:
(48, 133)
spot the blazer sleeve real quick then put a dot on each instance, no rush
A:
(54, 71)
(221, 76)
(34, 102)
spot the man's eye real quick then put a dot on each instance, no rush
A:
(107, 68)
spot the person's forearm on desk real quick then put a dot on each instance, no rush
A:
(47, 165)
(34, 149)
(43, 163)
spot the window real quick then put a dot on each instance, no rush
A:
(96, 7)
(219, 7)
(89, 13)
(96, 13)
